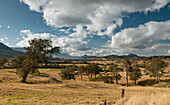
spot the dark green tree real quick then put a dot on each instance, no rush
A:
(115, 71)
(93, 69)
(156, 67)
(81, 70)
(2, 62)
(38, 52)
(135, 74)
(68, 73)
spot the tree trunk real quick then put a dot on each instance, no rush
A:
(95, 75)
(24, 79)
(116, 78)
(126, 77)
(88, 76)
(116, 81)
(135, 82)
(81, 75)
(91, 75)
(157, 79)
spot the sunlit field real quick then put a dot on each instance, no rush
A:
(48, 88)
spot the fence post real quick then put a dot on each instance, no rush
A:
(122, 93)
(104, 102)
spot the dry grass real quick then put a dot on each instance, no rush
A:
(147, 98)
(74, 92)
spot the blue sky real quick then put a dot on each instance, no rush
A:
(89, 27)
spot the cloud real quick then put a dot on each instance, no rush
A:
(1, 39)
(95, 14)
(68, 44)
(8, 27)
(150, 36)
(0, 26)
(101, 17)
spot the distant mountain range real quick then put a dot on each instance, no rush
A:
(59, 55)
(7, 52)
(110, 57)
(67, 56)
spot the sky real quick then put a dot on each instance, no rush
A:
(91, 27)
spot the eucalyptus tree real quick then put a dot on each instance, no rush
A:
(38, 52)
(135, 74)
(127, 67)
(81, 70)
(156, 67)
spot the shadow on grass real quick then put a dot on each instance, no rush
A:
(11, 71)
(49, 81)
(151, 82)
(44, 75)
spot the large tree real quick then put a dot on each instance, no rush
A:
(135, 74)
(127, 66)
(81, 70)
(93, 68)
(155, 68)
(38, 52)
(115, 70)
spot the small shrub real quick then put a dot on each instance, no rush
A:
(106, 78)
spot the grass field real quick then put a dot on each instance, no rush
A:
(46, 90)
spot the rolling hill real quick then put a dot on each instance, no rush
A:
(7, 52)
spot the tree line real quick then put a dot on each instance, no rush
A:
(40, 50)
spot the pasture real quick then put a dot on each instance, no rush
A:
(48, 88)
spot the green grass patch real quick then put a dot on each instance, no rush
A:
(49, 69)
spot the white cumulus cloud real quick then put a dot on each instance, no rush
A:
(68, 44)
(95, 14)
(150, 36)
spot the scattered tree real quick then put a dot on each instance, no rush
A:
(81, 70)
(38, 52)
(93, 69)
(68, 73)
(127, 65)
(135, 74)
(115, 71)
(2, 62)
(155, 68)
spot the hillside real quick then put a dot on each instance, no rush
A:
(6, 52)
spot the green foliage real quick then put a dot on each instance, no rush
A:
(68, 73)
(107, 78)
(2, 62)
(81, 70)
(93, 69)
(27, 66)
(115, 70)
(155, 68)
(38, 52)
(135, 74)
(41, 49)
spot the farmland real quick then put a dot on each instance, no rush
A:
(48, 88)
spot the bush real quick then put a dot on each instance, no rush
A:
(106, 78)
(66, 75)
